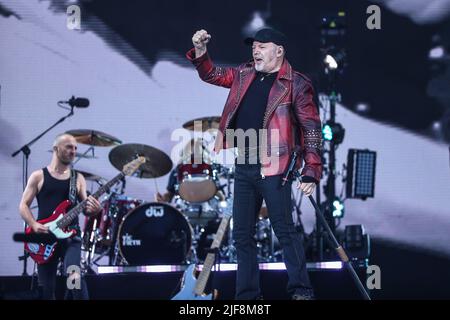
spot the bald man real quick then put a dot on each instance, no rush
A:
(51, 186)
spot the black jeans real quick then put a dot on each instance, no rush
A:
(249, 191)
(70, 251)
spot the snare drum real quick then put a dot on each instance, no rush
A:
(154, 233)
(196, 182)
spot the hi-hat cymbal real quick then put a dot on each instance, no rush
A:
(157, 162)
(90, 176)
(94, 137)
(205, 123)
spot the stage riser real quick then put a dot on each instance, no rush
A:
(162, 286)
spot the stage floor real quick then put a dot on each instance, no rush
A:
(329, 280)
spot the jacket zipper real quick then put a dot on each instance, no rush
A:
(271, 109)
(266, 117)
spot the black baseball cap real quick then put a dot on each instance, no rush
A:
(268, 35)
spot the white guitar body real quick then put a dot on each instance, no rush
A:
(188, 287)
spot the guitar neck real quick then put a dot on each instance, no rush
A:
(72, 214)
(210, 258)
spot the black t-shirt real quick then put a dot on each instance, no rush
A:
(52, 193)
(250, 114)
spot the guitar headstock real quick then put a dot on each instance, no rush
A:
(132, 166)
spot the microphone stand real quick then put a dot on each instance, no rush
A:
(339, 250)
(26, 151)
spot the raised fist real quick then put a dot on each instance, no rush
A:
(199, 40)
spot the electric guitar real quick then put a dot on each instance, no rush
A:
(193, 288)
(59, 221)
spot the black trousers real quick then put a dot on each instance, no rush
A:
(250, 188)
(70, 251)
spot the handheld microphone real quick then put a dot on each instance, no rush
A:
(77, 102)
(291, 167)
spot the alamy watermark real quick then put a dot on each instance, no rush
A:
(374, 20)
(261, 145)
(373, 280)
(73, 277)
(73, 17)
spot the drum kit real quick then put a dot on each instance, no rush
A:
(135, 232)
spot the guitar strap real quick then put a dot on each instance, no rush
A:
(73, 187)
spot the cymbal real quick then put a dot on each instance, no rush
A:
(157, 162)
(90, 176)
(94, 137)
(205, 122)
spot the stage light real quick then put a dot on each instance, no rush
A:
(436, 126)
(334, 59)
(360, 173)
(333, 131)
(338, 208)
(437, 52)
(327, 132)
(362, 107)
(257, 22)
(330, 62)
(333, 24)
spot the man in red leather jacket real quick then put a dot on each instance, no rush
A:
(269, 113)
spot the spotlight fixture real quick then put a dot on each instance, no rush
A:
(338, 208)
(333, 131)
(334, 59)
(361, 173)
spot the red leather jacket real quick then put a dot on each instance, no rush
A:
(290, 111)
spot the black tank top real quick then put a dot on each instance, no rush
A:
(52, 193)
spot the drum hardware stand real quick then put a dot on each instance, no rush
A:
(26, 151)
(92, 242)
(193, 257)
(113, 251)
(229, 194)
(230, 249)
(185, 238)
(104, 253)
(115, 258)
(91, 148)
(278, 253)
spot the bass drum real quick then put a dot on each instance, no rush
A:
(154, 234)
